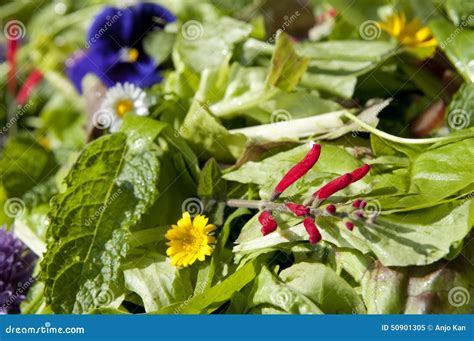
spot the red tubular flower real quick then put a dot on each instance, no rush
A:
(333, 186)
(300, 169)
(268, 223)
(297, 209)
(360, 172)
(12, 48)
(314, 234)
(30, 84)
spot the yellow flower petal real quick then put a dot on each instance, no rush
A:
(412, 34)
(200, 221)
(189, 240)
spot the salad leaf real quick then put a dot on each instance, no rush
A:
(457, 47)
(90, 222)
(196, 40)
(24, 164)
(156, 281)
(287, 67)
(323, 286)
(213, 141)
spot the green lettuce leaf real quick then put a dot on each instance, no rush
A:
(331, 293)
(156, 281)
(458, 47)
(209, 138)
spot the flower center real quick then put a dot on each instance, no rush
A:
(123, 106)
(192, 243)
(129, 54)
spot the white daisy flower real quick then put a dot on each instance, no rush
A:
(121, 99)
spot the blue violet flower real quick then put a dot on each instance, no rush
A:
(115, 50)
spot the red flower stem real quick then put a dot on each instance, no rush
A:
(281, 207)
(297, 171)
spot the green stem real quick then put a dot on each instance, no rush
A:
(397, 139)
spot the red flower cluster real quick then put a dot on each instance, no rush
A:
(269, 223)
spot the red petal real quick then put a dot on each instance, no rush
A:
(300, 169)
(332, 187)
(297, 209)
(360, 172)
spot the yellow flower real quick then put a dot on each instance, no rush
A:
(189, 240)
(412, 34)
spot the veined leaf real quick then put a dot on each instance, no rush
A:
(90, 222)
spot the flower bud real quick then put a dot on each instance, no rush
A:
(268, 223)
(314, 234)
